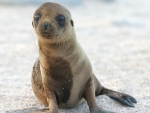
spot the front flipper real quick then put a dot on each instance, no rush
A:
(89, 95)
(120, 97)
(98, 110)
(40, 111)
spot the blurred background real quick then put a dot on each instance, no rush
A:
(115, 34)
(27, 2)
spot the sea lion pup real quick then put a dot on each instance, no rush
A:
(62, 76)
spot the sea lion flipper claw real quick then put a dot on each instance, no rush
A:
(133, 99)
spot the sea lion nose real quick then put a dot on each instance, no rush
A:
(46, 25)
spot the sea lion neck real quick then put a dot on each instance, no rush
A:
(57, 49)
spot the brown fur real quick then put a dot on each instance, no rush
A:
(62, 75)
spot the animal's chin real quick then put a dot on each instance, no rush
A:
(46, 35)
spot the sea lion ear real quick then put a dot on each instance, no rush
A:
(32, 24)
(72, 22)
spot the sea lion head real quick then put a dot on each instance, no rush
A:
(53, 22)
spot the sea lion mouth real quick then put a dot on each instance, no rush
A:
(46, 34)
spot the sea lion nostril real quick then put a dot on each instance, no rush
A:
(46, 25)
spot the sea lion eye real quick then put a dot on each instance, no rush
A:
(60, 19)
(36, 19)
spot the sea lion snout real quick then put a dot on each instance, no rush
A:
(46, 29)
(46, 25)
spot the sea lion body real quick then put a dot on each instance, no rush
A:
(81, 72)
(62, 76)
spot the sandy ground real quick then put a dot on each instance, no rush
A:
(115, 36)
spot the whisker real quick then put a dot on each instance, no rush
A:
(62, 39)
(33, 38)
(60, 43)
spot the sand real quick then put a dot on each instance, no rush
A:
(115, 34)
